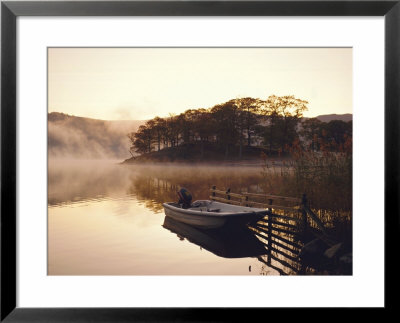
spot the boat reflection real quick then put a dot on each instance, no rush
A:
(221, 242)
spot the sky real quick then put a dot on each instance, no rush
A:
(141, 83)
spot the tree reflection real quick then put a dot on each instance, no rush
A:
(157, 185)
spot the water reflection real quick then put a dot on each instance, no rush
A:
(243, 243)
(277, 250)
(283, 249)
(73, 182)
(115, 212)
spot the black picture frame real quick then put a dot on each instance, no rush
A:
(10, 10)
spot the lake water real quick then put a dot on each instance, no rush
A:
(107, 219)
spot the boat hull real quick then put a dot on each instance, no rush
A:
(196, 220)
(211, 220)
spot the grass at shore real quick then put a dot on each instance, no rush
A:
(326, 179)
(206, 153)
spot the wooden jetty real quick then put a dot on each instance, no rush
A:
(291, 212)
(287, 221)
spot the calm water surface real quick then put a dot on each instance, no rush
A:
(107, 219)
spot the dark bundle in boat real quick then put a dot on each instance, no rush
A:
(185, 198)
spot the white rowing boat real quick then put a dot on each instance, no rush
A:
(211, 214)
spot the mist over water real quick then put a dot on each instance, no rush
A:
(71, 181)
(105, 218)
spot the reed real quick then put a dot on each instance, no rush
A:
(325, 176)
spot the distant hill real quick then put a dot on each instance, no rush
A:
(329, 117)
(78, 137)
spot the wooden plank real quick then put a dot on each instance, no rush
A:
(276, 197)
(270, 248)
(280, 245)
(267, 196)
(283, 262)
(270, 206)
(218, 192)
(273, 235)
(292, 243)
(240, 196)
(290, 226)
(295, 259)
(278, 229)
(260, 205)
(220, 199)
(284, 217)
(265, 225)
(284, 231)
(225, 193)
(285, 224)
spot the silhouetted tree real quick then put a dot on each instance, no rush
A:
(132, 148)
(226, 118)
(232, 124)
(143, 139)
(283, 115)
(159, 130)
(337, 131)
(250, 113)
(311, 131)
(173, 125)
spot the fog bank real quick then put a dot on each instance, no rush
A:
(84, 138)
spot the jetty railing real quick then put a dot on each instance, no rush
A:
(290, 215)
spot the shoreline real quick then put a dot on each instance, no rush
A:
(215, 163)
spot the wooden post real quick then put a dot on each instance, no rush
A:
(214, 188)
(247, 200)
(227, 193)
(304, 212)
(270, 203)
(269, 235)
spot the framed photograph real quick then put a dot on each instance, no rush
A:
(187, 160)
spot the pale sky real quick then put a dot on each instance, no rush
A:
(141, 83)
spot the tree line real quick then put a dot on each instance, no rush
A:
(274, 124)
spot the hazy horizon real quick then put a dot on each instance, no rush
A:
(141, 83)
(144, 120)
